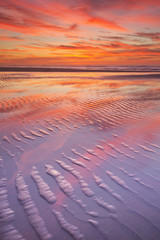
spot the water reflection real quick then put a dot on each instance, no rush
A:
(99, 132)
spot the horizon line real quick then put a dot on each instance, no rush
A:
(78, 69)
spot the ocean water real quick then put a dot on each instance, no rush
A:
(80, 155)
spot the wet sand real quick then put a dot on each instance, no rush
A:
(80, 155)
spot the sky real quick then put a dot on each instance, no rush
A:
(79, 32)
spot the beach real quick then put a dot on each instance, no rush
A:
(80, 154)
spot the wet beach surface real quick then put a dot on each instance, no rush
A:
(79, 155)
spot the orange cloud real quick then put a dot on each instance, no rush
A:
(9, 38)
(106, 24)
(79, 32)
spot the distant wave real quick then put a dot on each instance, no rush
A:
(82, 69)
(133, 76)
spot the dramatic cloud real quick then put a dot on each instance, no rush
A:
(79, 32)
(154, 36)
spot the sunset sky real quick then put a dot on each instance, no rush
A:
(79, 32)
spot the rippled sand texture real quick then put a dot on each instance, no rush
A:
(80, 156)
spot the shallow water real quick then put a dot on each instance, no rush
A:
(80, 156)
